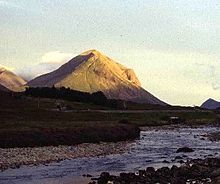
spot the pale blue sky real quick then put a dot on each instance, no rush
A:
(173, 45)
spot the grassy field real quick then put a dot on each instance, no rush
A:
(32, 122)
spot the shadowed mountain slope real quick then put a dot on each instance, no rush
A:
(3, 88)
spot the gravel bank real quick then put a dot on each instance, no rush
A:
(16, 157)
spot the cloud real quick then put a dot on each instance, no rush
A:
(7, 67)
(212, 72)
(49, 62)
(56, 57)
(215, 76)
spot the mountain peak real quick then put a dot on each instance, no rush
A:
(93, 52)
(2, 69)
(211, 99)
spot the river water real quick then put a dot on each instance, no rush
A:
(154, 146)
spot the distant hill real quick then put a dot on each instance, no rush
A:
(211, 104)
(92, 71)
(10, 81)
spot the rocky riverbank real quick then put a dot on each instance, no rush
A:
(16, 157)
(196, 171)
(214, 136)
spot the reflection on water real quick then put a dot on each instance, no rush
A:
(152, 149)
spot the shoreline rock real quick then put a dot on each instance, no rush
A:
(184, 150)
(195, 171)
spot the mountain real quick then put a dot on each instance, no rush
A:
(10, 81)
(92, 71)
(211, 104)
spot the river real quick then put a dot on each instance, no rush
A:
(154, 147)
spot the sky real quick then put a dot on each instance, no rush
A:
(173, 45)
